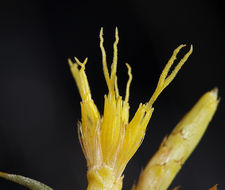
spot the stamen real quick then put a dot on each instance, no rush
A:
(115, 58)
(104, 62)
(80, 78)
(128, 83)
(116, 87)
(82, 65)
(165, 80)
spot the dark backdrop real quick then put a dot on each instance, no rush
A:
(39, 101)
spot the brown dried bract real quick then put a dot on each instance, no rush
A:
(214, 187)
(177, 187)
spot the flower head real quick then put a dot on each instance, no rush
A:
(109, 141)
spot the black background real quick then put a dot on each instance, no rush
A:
(39, 101)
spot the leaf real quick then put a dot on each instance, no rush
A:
(25, 181)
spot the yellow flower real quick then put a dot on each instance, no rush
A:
(109, 141)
